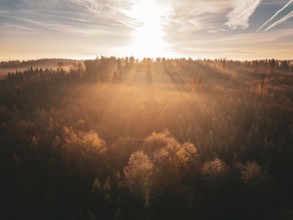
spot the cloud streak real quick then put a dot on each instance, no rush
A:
(280, 21)
(275, 15)
(3, 12)
(241, 13)
(19, 27)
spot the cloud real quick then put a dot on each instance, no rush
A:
(4, 12)
(98, 26)
(233, 46)
(90, 5)
(20, 27)
(186, 18)
(275, 15)
(103, 6)
(84, 18)
(280, 21)
(241, 13)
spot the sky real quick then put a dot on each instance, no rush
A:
(85, 29)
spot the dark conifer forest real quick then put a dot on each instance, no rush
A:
(152, 139)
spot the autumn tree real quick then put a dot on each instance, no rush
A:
(81, 149)
(139, 175)
(214, 170)
(251, 173)
(157, 141)
(173, 161)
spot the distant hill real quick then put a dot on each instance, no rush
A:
(35, 63)
(12, 66)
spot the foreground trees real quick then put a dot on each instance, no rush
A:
(89, 142)
(139, 175)
(163, 167)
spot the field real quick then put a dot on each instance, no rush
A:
(119, 138)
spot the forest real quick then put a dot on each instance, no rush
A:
(152, 139)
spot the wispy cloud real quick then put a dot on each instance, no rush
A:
(19, 27)
(2, 12)
(92, 26)
(280, 21)
(275, 15)
(241, 13)
(230, 46)
(88, 4)
(103, 6)
(189, 17)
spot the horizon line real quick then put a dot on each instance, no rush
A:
(85, 58)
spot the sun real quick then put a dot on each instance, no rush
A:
(148, 37)
(148, 42)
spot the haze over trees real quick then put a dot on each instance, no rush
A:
(119, 138)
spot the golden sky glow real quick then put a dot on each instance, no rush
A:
(148, 38)
(233, 29)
